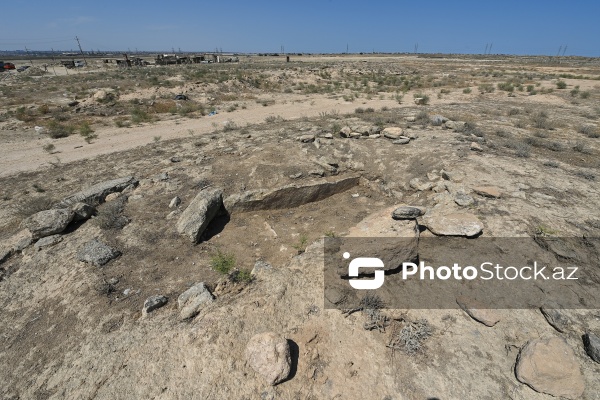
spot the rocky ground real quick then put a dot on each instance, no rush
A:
(192, 266)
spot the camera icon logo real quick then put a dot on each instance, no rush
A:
(365, 262)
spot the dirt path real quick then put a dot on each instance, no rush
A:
(29, 155)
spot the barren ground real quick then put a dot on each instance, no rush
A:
(65, 334)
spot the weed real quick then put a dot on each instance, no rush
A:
(522, 150)
(586, 175)
(156, 139)
(411, 337)
(330, 234)
(57, 130)
(561, 85)
(486, 88)
(241, 276)
(551, 164)
(584, 95)
(229, 126)
(467, 90)
(301, 245)
(222, 262)
(110, 215)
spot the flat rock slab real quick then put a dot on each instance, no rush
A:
(488, 191)
(392, 132)
(97, 253)
(49, 222)
(407, 212)
(288, 196)
(591, 343)
(190, 302)
(97, 193)
(195, 218)
(269, 356)
(556, 317)
(454, 224)
(549, 366)
(401, 140)
(48, 241)
(82, 211)
(478, 311)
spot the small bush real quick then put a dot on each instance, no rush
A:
(424, 97)
(561, 85)
(222, 262)
(506, 86)
(229, 126)
(486, 88)
(551, 164)
(110, 215)
(32, 206)
(589, 131)
(522, 150)
(411, 337)
(467, 90)
(513, 111)
(138, 116)
(540, 120)
(57, 130)
(586, 175)
(49, 148)
(584, 95)
(581, 147)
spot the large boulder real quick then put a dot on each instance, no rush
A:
(97, 193)
(49, 222)
(549, 366)
(392, 132)
(190, 302)
(196, 217)
(288, 196)
(269, 355)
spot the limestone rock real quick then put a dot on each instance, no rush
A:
(392, 132)
(288, 196)
(269, 355)
(478, 311)
(49, 222)
(453, 224)
(455, 125)
(463, 200)
(190, 302)
(401, 140)
(591, 343)
(488, 191)
(97, 253)
(407, 212)
(82, 211)
(196, 217)
(476, 147)
(154, 302)
(175, 202)
(97, 193)
(48, 241)
(345, 132)
(549, 366)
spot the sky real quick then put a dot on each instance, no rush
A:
(308, 26)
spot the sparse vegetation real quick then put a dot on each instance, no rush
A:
(223, 262)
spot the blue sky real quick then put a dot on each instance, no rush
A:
(514, 27)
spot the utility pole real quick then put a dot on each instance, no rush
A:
(416, 47)
(27, 51)
(559, 50)
(347, 48)
(53, 62)
(83, 55)
(486, 47)
(564, 50)
(490, 50)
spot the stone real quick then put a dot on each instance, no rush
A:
(327, 136)
(463, 200)
(154, 302)
(476, 147)
(289, 196)
(392, 132)
(47, 241)
(112, 196)
(591, 344)
(175, 159)
(96, 194)
(49, 222)
(306, 138)
(175, 202)
(97, 253)
(100, 95)
(556, 317)
(407, 212)
(410, 118)
(455, 125)
(198, 214)
(453, 224)
(190, 302)
(550, 366)
(261, 267)
(401, 140)
(478, 311)
(355, 135)
(345, 132)
(456, 176)
(416, 184)
(420, 101)
(438, 120)
(82, 211)
(268, 354)
(488, 191)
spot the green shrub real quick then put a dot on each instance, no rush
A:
(222, 262)
(561, 85)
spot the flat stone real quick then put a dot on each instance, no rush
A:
(556, 317)
(476, 147)
(416, 184)
(392, 132)
(453, 224)
(191, 301)
(154, 302)
(268, 354)
(97, 193)
(48, 241)
(455, 125)
(306, 138)
(407, 212)
(49, 222)
(97, 253)
(550, 366)
(591, 344)
(288, 196)
(488, 191)
(198, 214)
(261, 267)
(401, 140)
(463, 200)
(479, 311)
